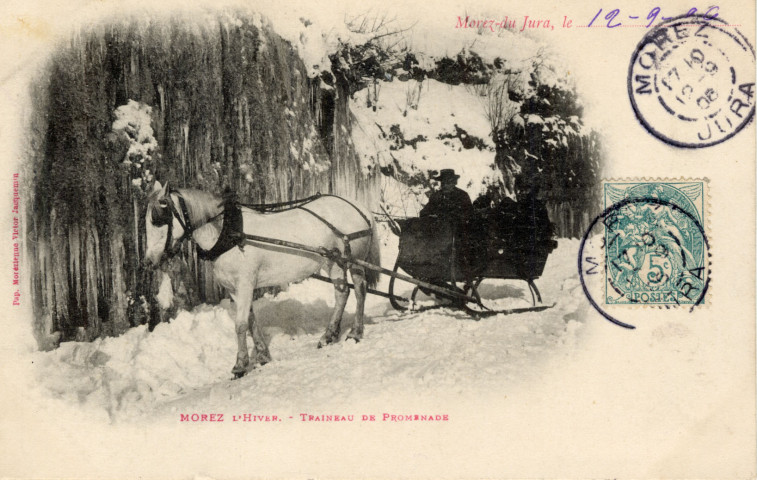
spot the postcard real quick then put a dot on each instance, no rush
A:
(251, 239)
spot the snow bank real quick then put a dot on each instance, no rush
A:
(128, 373)
(436, 353)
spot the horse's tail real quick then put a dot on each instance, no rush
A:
(374, 256)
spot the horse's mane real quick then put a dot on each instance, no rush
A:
(202, 206)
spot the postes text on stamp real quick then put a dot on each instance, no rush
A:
(691, 81)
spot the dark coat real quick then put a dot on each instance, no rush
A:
(455, 205)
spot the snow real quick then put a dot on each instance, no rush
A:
(134, 119)
(439, 110)
(186, 363)
(165, 292)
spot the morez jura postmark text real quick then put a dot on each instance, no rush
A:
(648, 247)
(691, 81)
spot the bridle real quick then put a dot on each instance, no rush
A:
(164, 214)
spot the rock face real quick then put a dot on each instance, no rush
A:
(232, 107)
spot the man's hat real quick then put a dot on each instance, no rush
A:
(446, 174)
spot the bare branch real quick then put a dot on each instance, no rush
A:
(495, 99)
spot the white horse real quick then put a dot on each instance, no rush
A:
(258, 264)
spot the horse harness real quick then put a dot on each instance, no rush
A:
(165, 215)
(232, 232)
(346, 238)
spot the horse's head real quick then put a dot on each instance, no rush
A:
(161, 225)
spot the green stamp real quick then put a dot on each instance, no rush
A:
(656, 250)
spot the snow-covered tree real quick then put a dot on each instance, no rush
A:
(553, 148)
(133, 121)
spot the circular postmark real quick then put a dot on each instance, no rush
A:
(644, 251)
(691, 81)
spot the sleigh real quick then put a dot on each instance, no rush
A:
(459, 257)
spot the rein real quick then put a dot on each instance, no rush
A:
(229, 239)
(291, 204)
(300, 204)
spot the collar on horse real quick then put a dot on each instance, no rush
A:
(231, 232)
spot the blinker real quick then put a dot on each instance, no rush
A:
(161, 214)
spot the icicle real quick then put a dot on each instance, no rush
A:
(185, 149)
(94, 321)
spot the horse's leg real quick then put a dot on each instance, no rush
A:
(260, 354)
(358, 278)
(338, 276)
(243, 301)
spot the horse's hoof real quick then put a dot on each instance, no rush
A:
(241, 368)
(357, 338)
(238, 375)
(327, 339)
(355, 334)
(262, 359)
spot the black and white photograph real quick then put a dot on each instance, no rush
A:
(378, 240)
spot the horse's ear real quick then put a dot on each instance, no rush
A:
(158, 190)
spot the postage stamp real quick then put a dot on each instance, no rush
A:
(655, 243)
(650, 244)
(691, 81)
